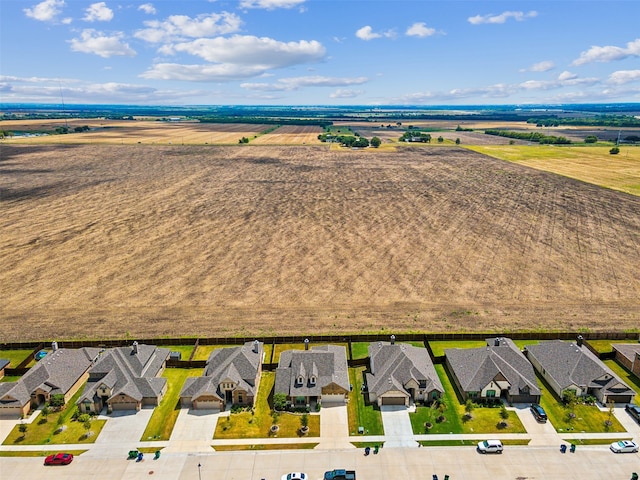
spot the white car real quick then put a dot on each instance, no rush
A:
(490, 446)
(624, 446)
(294, 476)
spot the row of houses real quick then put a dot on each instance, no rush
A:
(129, 378)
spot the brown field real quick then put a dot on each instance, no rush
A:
(149, 241)
(291, 135)
(134, 132)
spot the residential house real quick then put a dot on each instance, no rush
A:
(498, 370)
(318, 375)
(401, 374)
(570, 366)
(231, 376)
(628, 354)
(61, 372)
(126, 378)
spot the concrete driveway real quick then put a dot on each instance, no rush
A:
(397, 426)
(194, 430)
(122, 432)
(334, 427)
(541, 433)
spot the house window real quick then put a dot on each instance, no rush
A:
(239, 398)
(473, 394)
(491, 393)
(434, 394)
(300, 380)
(301, 400)
(312, 380)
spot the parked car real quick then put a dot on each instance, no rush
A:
(490, 446)
(634, 411)
(59, 459)
(294, 476)
(624, 446)
(539, 413)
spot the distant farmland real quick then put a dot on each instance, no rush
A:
(171, 240)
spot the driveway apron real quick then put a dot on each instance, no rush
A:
(397, 426)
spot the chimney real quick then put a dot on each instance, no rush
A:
(306, 344)
(496, 342)
(135, 348)
(580, 340)
(256, 346)
(54, 346)
(393, 339)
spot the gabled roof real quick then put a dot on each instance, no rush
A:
(238, 364)
(327, 362)
(3, 363)
(55, 373)
(128, 370)
(475, 368)
(628, 350)
(393, 366)
(570, 365)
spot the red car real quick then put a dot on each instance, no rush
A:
(59, 459)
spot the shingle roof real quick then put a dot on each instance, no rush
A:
(327, 362)
(392, 366)
(238, 364)
(475, 368)
(128, 372)
(3, 363)
(628, 350)
(56, 373)
(570, 365)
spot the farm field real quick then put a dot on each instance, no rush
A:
(150, 240)
(591, 164)
(290, 135)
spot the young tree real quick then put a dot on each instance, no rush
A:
(614, 151)
(375, 142)
(23, 427)
(280, 401)
(457, 141)
(440, 139)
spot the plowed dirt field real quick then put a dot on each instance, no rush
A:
(148, 241)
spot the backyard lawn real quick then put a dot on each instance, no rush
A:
(165, 415)
(59, 428)
(360, 414)
(185, 350)
(604, 346)
(626, 376)
(257, 423)
(203, 351)
(483, 419)
(15, 357)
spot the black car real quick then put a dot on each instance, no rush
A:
(539, 413)
(634, 411)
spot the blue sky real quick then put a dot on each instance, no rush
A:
(311, 52)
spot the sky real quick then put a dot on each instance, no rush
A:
(319, 52)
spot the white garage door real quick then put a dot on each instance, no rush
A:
(333, 399)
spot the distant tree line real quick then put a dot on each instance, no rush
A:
(267, 120)
(530, 136)
(347, 140)
(597, 121)
(415, 136)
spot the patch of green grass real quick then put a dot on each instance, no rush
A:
(185, 350)
(203, 351)
(588, 418)
(626, 376)
(149, 450)
(458, 443)
(10, 378)
(604, 346)
(268, 350)
(438, 347)
(165, 415)
(592, 441)
(15, 357)
(361, 414)
(37, 453)
(266, 446)
(359, 350)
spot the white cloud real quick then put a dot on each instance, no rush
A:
(182, 26)
(609, 53)
(270, 4)
(148, 8)
(345, 93)
(294, 83)
(624, 76)
(501, 18)
(367, 33)
(263, 52)
(45, 11)
(420, 29)
(98, 12)
(544, 66)
(565, 76)
(98, 43)
(202, 73)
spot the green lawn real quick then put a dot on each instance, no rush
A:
(38, 453)
(257, 424)
(438, 347)
(359, 350)
(165, 415)
(458, 443)
(268, 350)
(185, 350)
(588, 418)
(203, 351)
(483, 420)
(40, 432)
(266, 446)
(626, 376)
(15, 357)
(361, 414)
(10, 378)
(604, 346)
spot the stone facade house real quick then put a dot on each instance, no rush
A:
(61, 372)
(401, 374)
(318, 375)
(231, 377)
(570, 366)
(498, 370)
(126, 378)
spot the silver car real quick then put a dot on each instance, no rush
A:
(624, 446)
